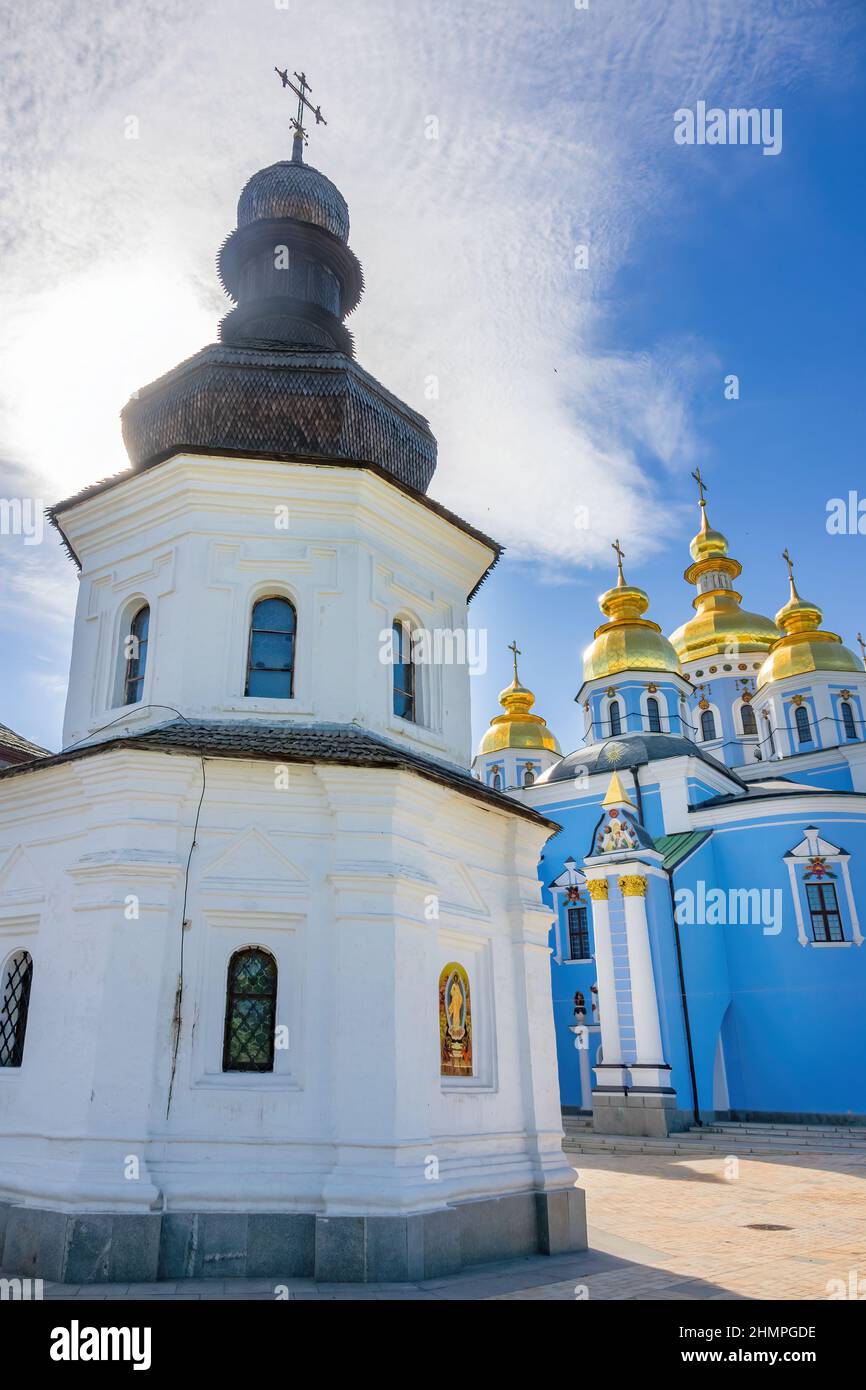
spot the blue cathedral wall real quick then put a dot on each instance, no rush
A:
(792, 1018)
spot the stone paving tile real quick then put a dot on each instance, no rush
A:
(661, 1227)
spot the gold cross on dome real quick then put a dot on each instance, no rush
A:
(862, 647)
(516, 652)
(620, 556)
(789, 562)
(702, 487)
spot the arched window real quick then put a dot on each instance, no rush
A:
(654, 716)
(251, 1001)
(801, 719)
(271, 663)
(135, 651)
(848, 723)
(708, 726)
(615, 718)
(529, 775)
(748, 720)
(496, 782)
(14, 1003)
(405, 703)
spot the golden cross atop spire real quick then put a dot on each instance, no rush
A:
(516, 652)
(862, 647)
(620, 556)
(789, 562)
(702, 487)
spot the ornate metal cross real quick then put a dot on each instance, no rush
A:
(515, 650)
(620, 556)
(789, 562)
(702, 487)
(301, 93)
(862, 647)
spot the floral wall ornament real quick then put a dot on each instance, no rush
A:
(455, 1022)
(797, 699)
(845, 694)
(652, 688)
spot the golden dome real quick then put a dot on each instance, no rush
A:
(720, 625)
(517, 727)
(629, 641)
(803, 647)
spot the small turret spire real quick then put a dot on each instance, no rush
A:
(862, 648)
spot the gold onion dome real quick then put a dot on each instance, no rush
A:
(628, 641)
(803, 646)
(720, 625)
(517, 727)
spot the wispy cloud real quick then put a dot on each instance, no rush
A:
(554, 131)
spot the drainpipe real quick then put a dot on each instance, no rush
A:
(637, 792)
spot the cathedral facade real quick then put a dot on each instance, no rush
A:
(707, 880)
(274, 970)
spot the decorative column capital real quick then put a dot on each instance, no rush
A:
(597, 889)
(633, 885)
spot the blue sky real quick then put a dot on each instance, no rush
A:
(558, 387)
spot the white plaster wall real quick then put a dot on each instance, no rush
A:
(363, 883)
(197, 539)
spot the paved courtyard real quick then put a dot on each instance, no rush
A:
(661, 1227)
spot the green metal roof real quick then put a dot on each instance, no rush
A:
(675, 848)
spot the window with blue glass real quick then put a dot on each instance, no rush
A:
(271, 666)
(824, 912)
(708, 726)
(848, 722)
(405, 703)
(654, 715)
(748, 720)
(801, 722)
(578, 933)
(136, 657)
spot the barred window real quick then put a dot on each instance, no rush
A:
(271, 662)
(136, 657)
(578, 934)
(824, 912)
(14, 1004)
(251, 1001)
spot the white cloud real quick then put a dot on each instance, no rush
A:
(554, 129)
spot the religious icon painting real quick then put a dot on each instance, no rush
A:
(455, 1022)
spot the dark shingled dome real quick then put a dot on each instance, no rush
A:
(282, 382)
(292, 189)
(630, 750)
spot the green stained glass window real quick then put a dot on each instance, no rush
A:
(251, 1001)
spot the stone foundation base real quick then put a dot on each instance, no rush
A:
(112, 1248)
(653, 1115)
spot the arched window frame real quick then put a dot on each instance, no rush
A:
(129, 616)
(16, 983)
(802, 725)
(232, 995)
(849, 720)
(744, 711)
(709, 714)
(406, 694)
(614, 717)
(267, 596)
(653, 713)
